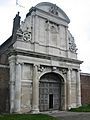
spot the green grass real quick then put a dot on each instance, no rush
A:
(26, 117)
(83, 108)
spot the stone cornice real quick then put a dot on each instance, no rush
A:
(84, 74)
(4, 66)
(43, 56)
(45, 14)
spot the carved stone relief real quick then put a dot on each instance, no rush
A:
(72, 45)
(47, 25)
(52, 27)
(27, 36)
(19, 33)
(54, 68)
(41, 68)
(24, 35)
(64, 71)
(54, 10)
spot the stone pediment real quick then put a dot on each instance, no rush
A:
(53, 9)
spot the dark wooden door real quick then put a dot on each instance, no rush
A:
(49, 93)
(50, 101)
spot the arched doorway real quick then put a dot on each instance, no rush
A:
(51, 89)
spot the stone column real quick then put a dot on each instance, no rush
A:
(12, 82)
(35, 91)
(78, 88)
(18, 88)
(69, 88)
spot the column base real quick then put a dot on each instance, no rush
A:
(17, 112)
(78, 104)
(69, 107)
(35, 111)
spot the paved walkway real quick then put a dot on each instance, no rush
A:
(71, 115)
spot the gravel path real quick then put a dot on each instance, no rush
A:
(72, 115)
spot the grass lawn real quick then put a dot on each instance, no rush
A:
(83, 108)
(26, 117)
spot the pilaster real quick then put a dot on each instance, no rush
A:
(33, 27)
(18, 88)
(36, 28)
(69, 88)
(47, 35)
(36, 45)
(67, 41)
(12, 82)
(78, 89)
(65, 103)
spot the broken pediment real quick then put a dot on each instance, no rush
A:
(53, 9)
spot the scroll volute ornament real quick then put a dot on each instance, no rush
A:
(24, 35)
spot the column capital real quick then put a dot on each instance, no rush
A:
(79, 70)
(19, 63)
(12, 58)
(69, 69)
(36, 65)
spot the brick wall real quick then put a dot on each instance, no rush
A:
(4, 88)
(85, 88)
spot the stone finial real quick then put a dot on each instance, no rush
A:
(16, 23)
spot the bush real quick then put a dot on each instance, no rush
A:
(83, 108)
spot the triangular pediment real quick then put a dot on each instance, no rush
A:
(53, 9)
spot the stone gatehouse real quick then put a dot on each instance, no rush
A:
(43, 72)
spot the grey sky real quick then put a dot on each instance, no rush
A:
(77, 10)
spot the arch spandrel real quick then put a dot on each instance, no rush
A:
(54, 72)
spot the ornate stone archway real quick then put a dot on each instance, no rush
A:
(51, 92)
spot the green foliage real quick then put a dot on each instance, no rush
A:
(83, 108)
(26, 117)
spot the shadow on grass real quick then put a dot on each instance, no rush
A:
(26, 117)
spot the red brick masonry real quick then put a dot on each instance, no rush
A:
(85, 88)
(4, 89)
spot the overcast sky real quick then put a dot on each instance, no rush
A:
(77, 10)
